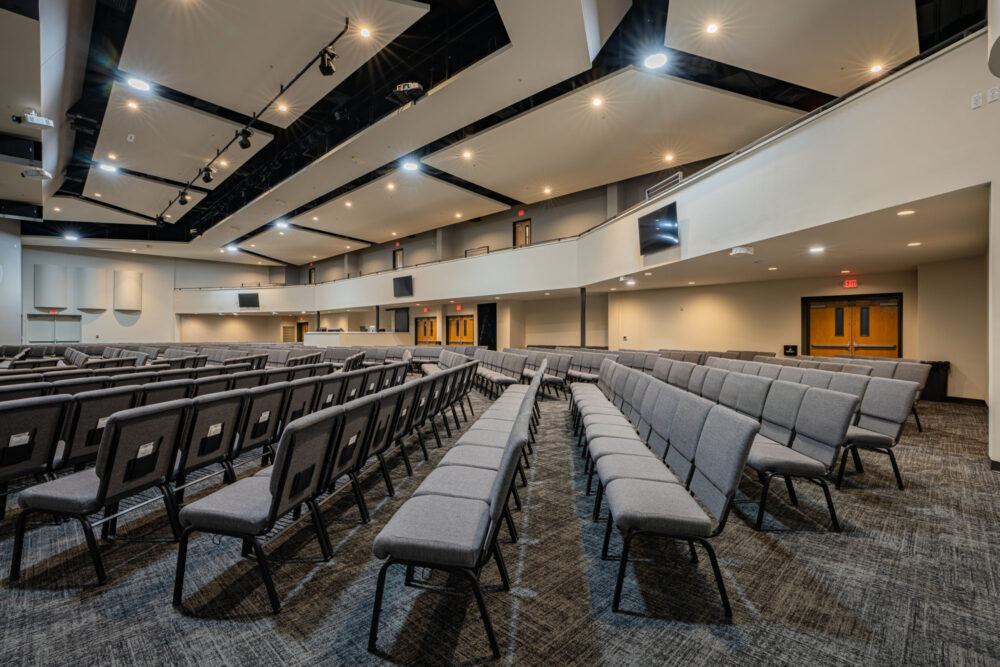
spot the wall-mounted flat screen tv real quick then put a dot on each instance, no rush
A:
(658, 230)
(402, 286)
(248, 299)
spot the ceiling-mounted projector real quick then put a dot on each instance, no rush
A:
(741, 250)
(33, 119)
(36, 174)
(410, 91)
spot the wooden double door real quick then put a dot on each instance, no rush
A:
(866, 326)
(426, 330)
(461, 330)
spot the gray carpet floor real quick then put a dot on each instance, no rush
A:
(914, 578)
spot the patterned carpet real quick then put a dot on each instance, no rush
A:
(914, 578)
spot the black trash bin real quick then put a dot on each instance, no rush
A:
(937, 381)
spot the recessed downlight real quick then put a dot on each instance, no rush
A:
(281, 224)
(394, 233)
(906, 212)
(712, 28)
(669, 157)
(547, 294)
(597, 101)
(913, 244)
(458, 215)
(56, 209)
(772, 268)
(71, 237)
(133, 249)
(846, 271)
(348, 204)
(390, 186)
(223, 163)
(630, 283)
(655, 60)
(315, 218)
(410, 165)
(365, 32)
(282, 107)
(231, 248)
(547, 190)
(467, 155)
(647, 273)
(108, 167)
(875, 69)
(691, 282)
(816, 249)
(131, 104)
(97, 194)
(112, 156)
(138, 84)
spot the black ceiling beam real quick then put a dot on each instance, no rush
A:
(19, 210)
(163, 181)
(270, 259)
(20, 150)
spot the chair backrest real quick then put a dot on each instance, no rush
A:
(381, 433)
(790, 374)
(407, 411)
(329, 390)
(848, 383)
(211, 385)
(769, 370)
(777, 421)
(247, 379)
(886, 405)
(730, 393)
(822, 423)
(913, 372)
(722, 451)
(354, 386)
(661, 368)
(373, 379)
(350, 442)
(680, 373)
(715, 378)
(300, 399)
(213, 423)
(857, 369)
(261, 417)
(29, 431)
(138, 448)
(805, 363)
(273, 375)
(12, 392)
(647, 407)
(52, 376)
(752, 367)
(697, 379)
(639, 389)
(662, 417)
(79, 385)
(161, 392)
(685, 430)
(882, 369)
(816, 378)
(87, 418)
(301, 461)
(752, 396)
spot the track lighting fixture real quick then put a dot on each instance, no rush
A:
(326, 58)
(206, 174)
(183, 199)
(245, 135)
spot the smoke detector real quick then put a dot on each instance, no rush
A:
(741, 250)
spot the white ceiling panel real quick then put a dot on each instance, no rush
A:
(20, 53)
(15, 188)
(570, 144)
(136, 194)
(168, 140)
(826, 45)
(238, 53)
(159, 248)
(414, 203)
(297, 246)
(71, 209)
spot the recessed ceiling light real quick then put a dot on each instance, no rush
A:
(223, 163)
(253, 245)
(282, 107)
(712, 28)
(669, 157)
(907, 212)
(231, 248)
(348, 204)
(281, 233)
(108, 167)
(394, 233)
(281, 224)
(614, 289)
(846, 271)
(876, 68)
(138, 84)
(348, 247)
(168, 215)
(221, 250)
(391, 186)
(655, 60)
(71, 237)
(365, 32)
(547, 294)
(630, 283)
(112, 156)
(56, 209)
(467, 155)
(410, 165)
(647, 273)
(315, 218)
(97, 194)
(458, 215)
(133, 249)
(314, 256)
(547, 190)
(597, 101)
(496, 297)
(817, 249)
(132, 105)
(260, 262)
(691, 282)
(451, 302)
(913, 244)
(772, 268)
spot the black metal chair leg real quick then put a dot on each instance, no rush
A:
(843, 467)
(501, 566)
(469, 401)
(377, 608)
(437, 436)
(444, 420)
(718, 578)
(95, 554)
(694, 554)
(461, 405)
(598, 497)
(895, 468)
(15, 559)
(857, 459)
(590, 478)
(181, 561)
(607, 537)
(384, 467)
(109, 528)
(321, 535)
(791, 491)
(516, 495)
(229, 476)
(829, 503)
(265, 572)
(763, 500)
(359, 497)
(477, 590)
(520, 470)
(920, 427)
(510, 523)
(621, 571)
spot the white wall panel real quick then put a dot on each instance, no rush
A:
(91, 287)
(50, 286)
(128, 290)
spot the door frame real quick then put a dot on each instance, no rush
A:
(447, 321)
(416, 327)
(301, 328)
(513, 229)
(806, 300)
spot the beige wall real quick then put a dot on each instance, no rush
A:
(557, 321)
(229, 328)
(952, 299)
(740, 316)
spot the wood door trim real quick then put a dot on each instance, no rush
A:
(806, 300)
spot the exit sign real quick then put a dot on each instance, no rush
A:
(850, 283)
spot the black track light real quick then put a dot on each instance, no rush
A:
(245, 135)
(183, 199)
(326, 58)
(159, 222)
(206, 174)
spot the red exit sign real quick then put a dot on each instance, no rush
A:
(850, 283)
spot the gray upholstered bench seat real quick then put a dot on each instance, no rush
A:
(595, 418)
(72, 494)
(483, 438)
(631, 466)
(486, 424)
(237, 508)
(459, 482)
(625, 431)
(473, 456)
(436, 529)
(660, 507)
(604, 446)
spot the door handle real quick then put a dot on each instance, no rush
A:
(836, 347)
(875, 347)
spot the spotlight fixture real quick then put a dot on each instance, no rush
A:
(159, 224)
(138, 84)
(410, 165)
(245, 135)
(326, 58)
(183, 199)
(206, 174)
(655, 60)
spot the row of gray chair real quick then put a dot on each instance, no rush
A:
(452, 520)
(446, 359)
(498, 370)
(557, 367)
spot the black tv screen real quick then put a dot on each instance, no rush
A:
(402, 286)
(249, 299)
(658, 230)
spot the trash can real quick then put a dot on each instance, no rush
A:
(937, 381)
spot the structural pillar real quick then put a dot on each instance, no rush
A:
(583, 317)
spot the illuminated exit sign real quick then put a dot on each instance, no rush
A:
(850, 283)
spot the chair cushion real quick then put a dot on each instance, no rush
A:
(473, 456)
(622, 466)
(72, 494)
(486, 424)
(436, 530)
(484, 438)
(661, 507)
(430, 369)
(769, 456)
(595, 418)
(604, 446)
(862, 437)
(624, 431)
(241, 508)
(458, 482)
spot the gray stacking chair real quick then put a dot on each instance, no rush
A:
(12, 392)
(329, 390)
(261, 419)
(857, 369)
(133, 378)
(714, 381)
(697, 379)
(213, 424)
(884, 409)
(913, 372)
(820, 427)
(80, 385)
(881, 368)
(275, 375)
(211, 385)
(161, 392)
(86, 421)
(816, 378)
(661, 368)
(380, 436)
(349, 443)
(249, 508)
(373, 380)
(29, 433)
(672, 510)
(769, 370)
(300, 399)
(680, 373)
(137, 453)
(247, 379)
(790, 374)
